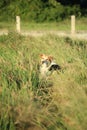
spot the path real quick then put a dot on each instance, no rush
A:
(79, 35)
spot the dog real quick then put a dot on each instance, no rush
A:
(48, 65)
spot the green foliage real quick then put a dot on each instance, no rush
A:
(35, 78)
(38, 11)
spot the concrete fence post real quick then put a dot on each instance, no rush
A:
(18, 29)
(73, 24)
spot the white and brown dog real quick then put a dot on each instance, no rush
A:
(47, 65)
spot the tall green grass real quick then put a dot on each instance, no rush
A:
(28, 102)
(64, 25)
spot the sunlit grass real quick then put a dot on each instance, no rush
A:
(64, 25)
(28, 102)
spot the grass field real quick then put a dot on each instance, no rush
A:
(30, 103)
(81, 25)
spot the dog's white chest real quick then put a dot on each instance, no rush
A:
(44, 69)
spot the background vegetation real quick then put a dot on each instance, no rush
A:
(41, 10)
(29, 103)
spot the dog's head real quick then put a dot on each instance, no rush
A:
(46, 59)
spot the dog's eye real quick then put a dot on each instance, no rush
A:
(43, 62)
(46, 62)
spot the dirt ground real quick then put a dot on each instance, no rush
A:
(77, 35)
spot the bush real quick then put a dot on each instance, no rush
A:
(38, 11)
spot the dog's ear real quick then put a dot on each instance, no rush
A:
(41, 55)
(50, 58)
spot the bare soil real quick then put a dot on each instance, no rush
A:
(77, 35)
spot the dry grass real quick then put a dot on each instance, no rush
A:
(26, 102)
